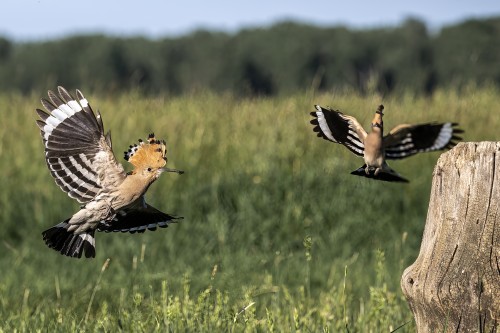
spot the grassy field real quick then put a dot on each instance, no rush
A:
(277, 235)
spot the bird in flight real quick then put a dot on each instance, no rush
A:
(401, 142)
(80, 158)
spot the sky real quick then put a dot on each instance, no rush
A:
(32, 20)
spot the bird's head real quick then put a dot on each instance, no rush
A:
(149, 158)
(377, 119)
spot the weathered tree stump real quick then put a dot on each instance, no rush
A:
(454, 285)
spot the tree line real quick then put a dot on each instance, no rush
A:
(281, 59)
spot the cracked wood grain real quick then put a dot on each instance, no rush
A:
(454, 284)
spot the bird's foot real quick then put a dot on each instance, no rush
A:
(370, 170)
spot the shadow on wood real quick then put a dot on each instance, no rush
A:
(454, 285)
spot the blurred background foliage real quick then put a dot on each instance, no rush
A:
(284, 58)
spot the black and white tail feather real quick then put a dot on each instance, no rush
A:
(80, 158)
(134, 220)
(70, 244)
(401, 142)
(387, 174)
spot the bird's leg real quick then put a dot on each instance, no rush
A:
(370, 169)
(111, 214)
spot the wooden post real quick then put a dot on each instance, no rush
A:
(454, 285)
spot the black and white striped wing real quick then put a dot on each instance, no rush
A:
(407, 140)
(339, 128)
(75, 145)
(138, 219)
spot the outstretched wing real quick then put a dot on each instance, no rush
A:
(77, 153)
(407, 140)
(339, 128)
(138, 219)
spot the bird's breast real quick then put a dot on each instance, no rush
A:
(374, 152)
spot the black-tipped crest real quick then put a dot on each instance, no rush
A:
(147, 154)
(380, 109)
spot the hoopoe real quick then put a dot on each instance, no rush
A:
(80, 158)
(402, 141)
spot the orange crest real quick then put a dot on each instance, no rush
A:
(150, 154)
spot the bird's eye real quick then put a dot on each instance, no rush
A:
(149, 169)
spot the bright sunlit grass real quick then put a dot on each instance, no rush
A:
(277, 235)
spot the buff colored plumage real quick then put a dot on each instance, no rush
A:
(80, 158)
(375, 148)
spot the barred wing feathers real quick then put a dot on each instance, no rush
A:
(407, 140)
(339, 128)
(77, 152)
(138, 219)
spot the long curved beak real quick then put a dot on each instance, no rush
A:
(180, 172)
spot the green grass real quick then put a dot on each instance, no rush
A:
(277, 235)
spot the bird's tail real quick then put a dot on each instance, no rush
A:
(387, 175)
(68, 243)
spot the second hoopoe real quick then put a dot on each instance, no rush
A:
(80, 158)
(401, 142)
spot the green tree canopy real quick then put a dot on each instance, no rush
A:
(281, 59)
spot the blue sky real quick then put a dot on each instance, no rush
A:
(25, 20)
